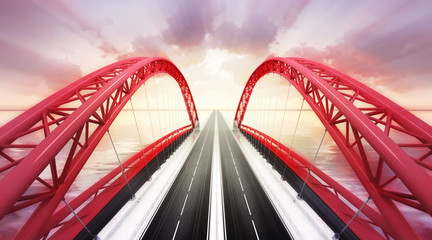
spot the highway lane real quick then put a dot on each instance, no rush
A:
(249, 213)
(183, 213)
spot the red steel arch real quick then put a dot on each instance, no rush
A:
(73, 119)
(356, 116)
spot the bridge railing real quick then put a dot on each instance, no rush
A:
(93, 200)
(360, 119)
(343, 202)
(43, 150)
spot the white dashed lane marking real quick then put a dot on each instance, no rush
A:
(190, 184)
(184, 204)
(241, 185)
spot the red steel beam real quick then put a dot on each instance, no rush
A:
(111, 87)
(333, 97)
(331, 193)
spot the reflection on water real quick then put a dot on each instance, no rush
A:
(103, 160)
(329, 158)
(126, 140)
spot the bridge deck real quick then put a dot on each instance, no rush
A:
(184, 211)
(248, 211)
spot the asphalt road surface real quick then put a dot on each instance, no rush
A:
(184, 212)
(249, 213)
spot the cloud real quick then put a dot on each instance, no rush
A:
(55, 72)
(189, 22)
(252, 37)
(145, 47)
(20, 19)
(388, 51)
(108, 49)
(253, 31)
(240, 27)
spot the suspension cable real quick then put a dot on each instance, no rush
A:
(160, 125)
(265, 124)
(151, 124)
(94, 237)
(299, 196)
(336, 236)
(121, 165)
(170, 114)
(283, 120)
(164, 105)
(257, 116)
(274, 117)
(139, 136)
(292, 140)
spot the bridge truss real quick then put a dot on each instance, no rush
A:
(356, 116)
(74, 120)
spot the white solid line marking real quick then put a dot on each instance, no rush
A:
(175, 232)
(190, 185)
(241, 185)
(216, 219)
(247, 204)
(256, 233)
(195, 171)
(184, 204)
(236, 171)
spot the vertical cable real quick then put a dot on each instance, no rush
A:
(160, 127)
(292, 140)
(170, 114)
(274, 117)
(151, 124)
(267, 127)
(139, 136)
(310, 168)
(165, 112)
(256, 119)
(95, 237)
(121, 165)
(166, 131)
(262, 121)
(337, 235)
(283, 120)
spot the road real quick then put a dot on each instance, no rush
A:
(184, 212)
(249, 213)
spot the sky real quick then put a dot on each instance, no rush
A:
(216, 44)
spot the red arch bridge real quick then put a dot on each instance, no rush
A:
(212, 182)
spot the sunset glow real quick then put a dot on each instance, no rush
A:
(216, 44)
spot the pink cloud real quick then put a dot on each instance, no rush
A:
(390, 50)
(194, 22)
(252, 37)
(145, 47)
(189, 22)
(21, 19)
(56, 72)
(108, 49)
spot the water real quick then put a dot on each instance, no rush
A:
(157, 114)
(306, 138)
(126, 140)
